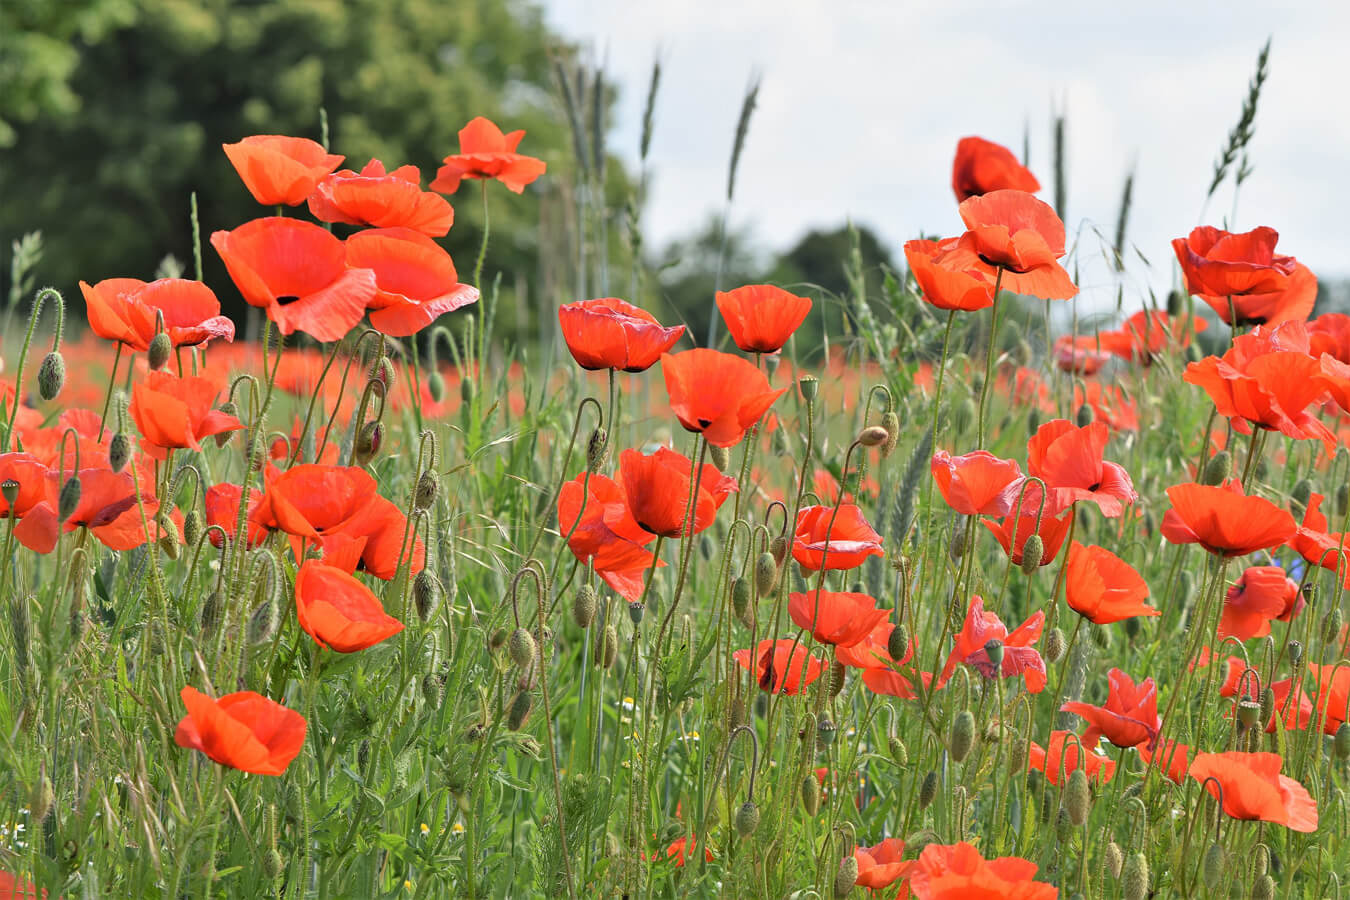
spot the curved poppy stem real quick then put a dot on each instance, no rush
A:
(47, 293)
(1068, 550)
(989, 360)
(107, 395)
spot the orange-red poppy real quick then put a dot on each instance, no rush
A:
(1150, 332)
(1130, 716)
(1020, 658)
(1110, 405)
(782, 666)
(1330, 333)
(1250, 787)
(298, 273)
(244, 730)
(14, 888)
(835, 617)
(944, 285)
(845, 545)
(761, 317)
(1069, 459)
(1224, 520)
(657, 489)
(1263, 286)
(1103, 588)
(607, 333)
(1169, 757)
(1333, 694)
(1083, 354)
(881, 865)
(108, 507)
(338, 611)
(977, 483)
(312, 500)
(415, 279)
(131, 311)
(716, 394)
(174, 412)
(484, 152)
(603, 532)
(30, 477)
(1014, 233)
(1317, 545)
(872, 652)
(982, 166)
(1062, 755)
(383, 530)
(681, 849)
(222, 508)
(1052, 532)
(280, 170)
(381, 199)
(1260, 594)
(959, 872)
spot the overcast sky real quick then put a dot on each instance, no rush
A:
(863, 101)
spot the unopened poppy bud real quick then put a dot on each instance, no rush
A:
(229, 408)
(262, 623)
(1217, 470)
(607, 647)
(382, 371)
(1084, 416)
(425, 493)
(1302, 491)
(736, 714)
(160, 348)
(766, 574)
(436, 386)
(963, 415)
(368, 442)
(928, 789)
(1340, 744)
(1100, 636)
(962, 736)
(9, 489)
(273, 864)
(193, 526)
(1295, 653)
(636, 611)
(898, 643)
(808, 385)
(1342, 498)
(1077, 797)
(69, 498)
(891, 422)
(741, 604)
(957, 547)
(119, 451)
(520, 711)
(1033, 551)
(1063, 826)
(432, 689)
(899, 753)
(994, 649)
(427, 593)
(521, 647)
(1033, 420)
(1176, 303)
(584, 606)
(1213, 866)
(1115, 858)
(467, 390)
(42, 797)
(873, 436)
(825, 733)
(778, 548)
(51, 375)
(747, 819)
(1263, 888)
(1134, 877)
(211, 611)
(810, 792)
(167, 534)
(1249, 713)
(597, 450)
(1332, 622)
(847, 876)
(1055, 645)
(721, 457)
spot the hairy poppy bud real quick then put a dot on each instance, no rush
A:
(1134, 878)
(119, 451)
(721, 457)
(610, 649)
(1332, 622)
(597, 450)
(957, 547)
(42, 797)
(1055, 645)
(808, 385)
(229, 408)
(898, 751)
(436, 386)
(778, 548)
(962, 736)
(273, 864)
(636, 611)
(193, 526)
(69, 499)
(1063, 826)
(168, 534)
(427, 593)
(467, 390)
(994, 649)
(520, 711)
(1115, 858)
(810, 791)
(521, 647)
(1262, 469)
(766, 574)
(1213, 866)
(425, 493)
(262, 623)
(898, 643)
(1342, 498)
(51, 375)
(160, 348)
(1340, 745)
(741, 604)
(584, 606)
(1299, 497)
(1033, 551)
(928, 789)
(825, 733)
(873, 436)
(847, 876)
(1084, 416)
(433, 689)
(1077, 797)
(891, 422)
(1263, 888)
(747, 819)
(736, 714)
(368, 442)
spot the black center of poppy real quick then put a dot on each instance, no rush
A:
(704, 423)
(287, 300)
(1095, 487)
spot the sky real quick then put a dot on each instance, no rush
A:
(862, 103)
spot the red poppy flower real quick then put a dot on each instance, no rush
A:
(176, 412)
(1103, 588)
(131, 311)
(978, 483)
(716, 394)
(1250, 787)
(1130, 716)
(15, 888)
(1333, 695)
(761, 317)
(604, 533)
(982, 166)
(338, 611)
(1260, 594)
(1169, 757)
(312, 500)
(1224, 520)
(222, 508)
(872, 651)
(1109, 403)
(381, 199)
(30, 475)
(944, 285)
(1061, 756)
(1218, 265)
(298, 272)
(415, 279)
(245, 731)
(1014, 232)
(280, 170)
(833, 617)
(108, 507)
(1019, 657)
(1052, 532)
(959, 872)
(1293, 710)
(782, 666)
(1317, 545)
(484, 152)
(846, 545)
(1084, 354)
(680, 851)
(608, 333)
(657, 489)
(881, 865)
(383, 529)
(1330, 333)
(1150, 332)
(1069, 459)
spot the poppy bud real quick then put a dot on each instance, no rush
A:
(1055, 645)
(1340, 744)
(847, 876)
(211, 612)
(436, 386)
(229, 408)
(873, 436)
(382, 371)
(825, 733)
(962, 736)
(1115, 858)
(1213, 866)
(808, 385)
(584, 605)
(427, 593)
(42, 797)
(1100, 636)
(597, 450)
(1084, 416)
(891, 422)
(9, 489)
(69, 499)
(160, 348)
(1077, 797)
(1033, 551)
(520, 711)
(1176, 303)
(168, 534)
(119, 451)
(1262, 469)
(778, 548)
(1263, 888)
(425, 494)
(994, 649)
(273, 864)
(721, 457)
(1342, 498)
(610, 650)
(963, 415)
(957, 547)
(635, 612)
(432, 689)
(467, 389)
(1249, 712)
(898, 751)
(1299, 497)
(1218, 468)
(928, 789)
(898, 642)
(51, 375)
(368, 442)
(1332, 622)
(1135, 877)
(1033, 420)
(193, 526)
(747, 819)
(262, 623)
(736, 714)
(810, 791)
(740, 602)
(521, 648)
(1063, 826)
(766, 574)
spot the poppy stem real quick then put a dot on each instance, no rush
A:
(989, 360)
(1253, 454)
(107, 395)
(482, 248)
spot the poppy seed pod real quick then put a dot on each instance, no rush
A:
(51, 375)
(994, 648)
(9, 489)
(521, 648)
(69, 498)
(808, 385)
(1077, 798)
(962, 736)
(1249, 713)
(740, 602)
(520, 711)
(160, 349)
(584, 606)
(898, 643)
(1115, 858)
(427, 593)
(766, 574)
(891, 422)
(597, 450)
(636, 611)
(1134, 877)
(425, 493)
(825, 733)
(721, 457)
(873, 436)
(1295, 653)
(847, 876)
(810, 793)
(928, 789)
(747, 819)
(1032, 553)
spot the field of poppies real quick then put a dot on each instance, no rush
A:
(383, 605)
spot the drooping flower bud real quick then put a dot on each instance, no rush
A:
(721, 457)
(1115, 858)
(1263, 888)
(160, 349)
(847, 876)
(425, 493)
(610, 648)
(119, 451)
(368, 442)
(891, 422)
(1134, 878)
(1077, 797)
(873, 436)
(1084, 416)
(51, 375)
(436, 386)
(898, 751)
(521, 648)
(1033, 551)
(741, 604)
(1055, 645)
(810, 793)
(747, 819)
(1340, 744)
(898, 643)
(427, 594)
(778, 548)
(766, 574)
(962, 736)
(520, 711)
(928, 789)
(1213, 866)
(584, 606)
(597, 450)
(262, 623)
